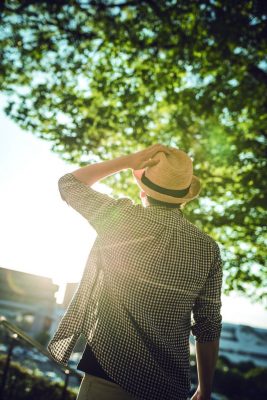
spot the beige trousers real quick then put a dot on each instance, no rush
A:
(95, 388)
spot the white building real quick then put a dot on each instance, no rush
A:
(27, 300)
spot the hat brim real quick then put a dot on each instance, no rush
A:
(194, 190)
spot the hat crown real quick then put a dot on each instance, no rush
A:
(173, 171)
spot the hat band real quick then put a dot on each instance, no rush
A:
(160, 189)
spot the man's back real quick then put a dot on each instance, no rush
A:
(148, 269)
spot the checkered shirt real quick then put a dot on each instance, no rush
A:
(150, 280)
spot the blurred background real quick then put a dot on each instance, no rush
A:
(83, 81)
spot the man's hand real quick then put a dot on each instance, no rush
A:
(143, 158)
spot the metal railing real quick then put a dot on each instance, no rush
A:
(17, 335)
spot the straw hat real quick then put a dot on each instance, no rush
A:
(171, 180)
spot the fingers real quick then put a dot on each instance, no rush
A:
(150, 163)
(154, 149)
(164, 148)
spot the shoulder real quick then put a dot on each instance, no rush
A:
(201, 235)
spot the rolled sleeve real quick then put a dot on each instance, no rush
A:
(100, 210)
(207, 318)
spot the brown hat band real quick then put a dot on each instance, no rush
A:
(160, 189)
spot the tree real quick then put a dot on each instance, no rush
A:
(98, 78)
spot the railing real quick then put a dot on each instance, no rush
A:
(17, 335)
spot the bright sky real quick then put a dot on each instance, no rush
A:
(41, 234)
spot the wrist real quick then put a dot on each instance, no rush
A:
(201, 395)
(127, 161)
(123, 162)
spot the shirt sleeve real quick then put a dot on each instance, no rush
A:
(100, 210)
(207, 318)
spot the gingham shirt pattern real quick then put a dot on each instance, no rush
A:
(151, 277)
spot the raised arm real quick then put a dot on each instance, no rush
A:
(90, 174)
(101, 210)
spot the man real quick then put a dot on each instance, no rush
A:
(148, 270)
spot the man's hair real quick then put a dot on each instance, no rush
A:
(155, 202)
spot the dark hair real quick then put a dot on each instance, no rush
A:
(155, 202)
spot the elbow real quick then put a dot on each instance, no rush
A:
(207, 330)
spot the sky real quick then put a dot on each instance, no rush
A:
(42, 235)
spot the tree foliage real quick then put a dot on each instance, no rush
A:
(102, 78)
